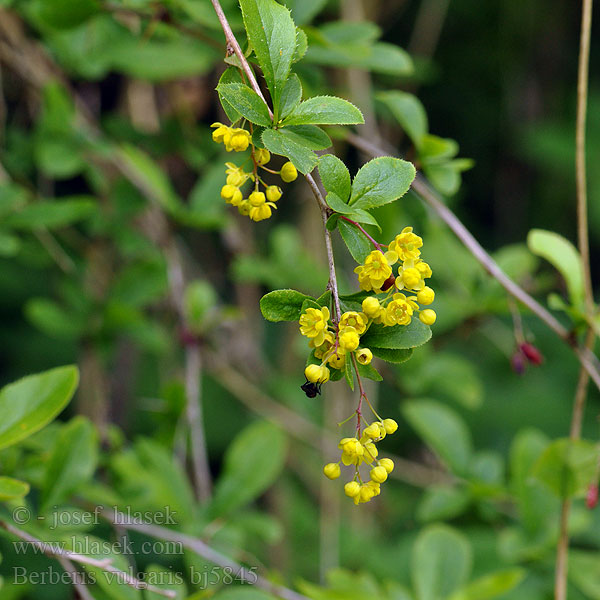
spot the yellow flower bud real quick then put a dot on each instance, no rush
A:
(260, 213)
(288, 172)
(428, 316)
(352, 489)
(387, 464)
(426, 296)
(390, 426)
(240, 140)
(236, 198)
(273, 193)
(411, 277)
(371, 307)
(227, 191)
(348, 339)
(366, 493)
(316, 373)
(337, 360)
(332, 470)
(257, 198)
(262, 156)
(364, 356)
(236, 179)
(372, 431)
(379, 474)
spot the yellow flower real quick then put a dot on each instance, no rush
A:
(387, 464)
(352, 489)
(313, 324)
(370, 452)
(390, 426)
(332, 470)
(323, 349)
(316, 373)
(236, 175)
(222, 133)
(398, 312)
(364, 356)
(288, 172)
(428, 316)
(238, 141)
(352, 451)
(348, 339)
(262, 212)
(337, 360)
(257, 198)
(354, 319)
(379, 474)
(262, 156)
(244, 207)
(374, 272)
(412, 275)
(426, 296)
(273, 193)
(406, 245)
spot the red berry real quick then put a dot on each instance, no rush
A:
(388, 283)
(591, 498)
(533, 355)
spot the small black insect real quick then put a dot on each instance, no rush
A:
(311, 389)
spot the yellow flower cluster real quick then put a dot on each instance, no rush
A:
(362, 450)
(376, 275)
(259, 205)
(333, 346)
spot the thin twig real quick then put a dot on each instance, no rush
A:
(588, 360)
(562, 548)
(55, 551)
(363, 231)
(241, 572)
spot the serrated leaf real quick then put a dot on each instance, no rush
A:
(335, 176)
(397, 337)
(272, 34)
(301, 156)
(282, 305)
(301, 45)
(252, 463)
(246, 102)
(12, 489)
(380, 181)
(32, 402)
(443, 430)
(358, 245)
(408, 111)
(325, 110)
(337, 204)
(561, 253)
(290, 96)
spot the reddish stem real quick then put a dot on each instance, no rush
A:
(362, 395)
(362, 230)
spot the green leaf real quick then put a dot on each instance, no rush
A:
(442, 502)
(230, 75)
(408, 111)
(53, 320)
(309, 136)
(51, 214)
(567, 467)
(357, 243)
(252, 463)
(12, 489)
(281, 142)
(584, 572)
(325, 110)
(440, 562)
(282, 305)
(380, 181)
(393, 356)
(349, 373)
(337, 204)
(246, 102)
(64, 14)
(443, 430)
(72, 462)
(32, 402)
(434, 148)
(492, 585)
(398, 337)
(301, 45)
(369, 372)
(291, 95)
(335, 177)
(561, 253)
(164, 579)
(272, 34)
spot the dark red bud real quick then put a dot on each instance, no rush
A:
(533, 355)
(591, 498)
(518, 363)
(388, 283)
